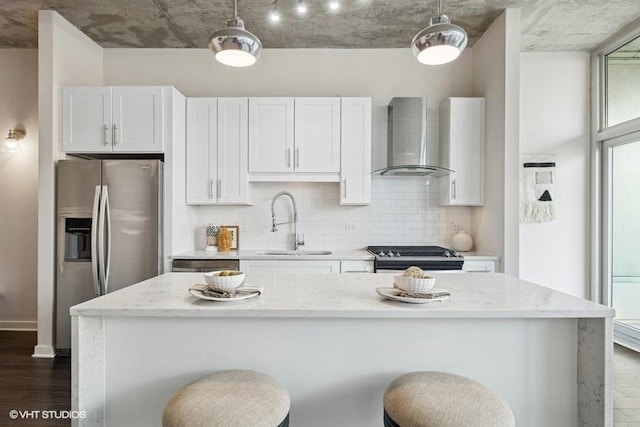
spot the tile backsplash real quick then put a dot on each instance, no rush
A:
(403, 211)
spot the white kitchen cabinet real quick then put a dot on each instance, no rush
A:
(217, 144)
(294, 139)
(290, 266)
(354, 266)
(271, 124)
(462, 150)
(355, 164)
(118, 119)
(472, 266)
(317, 135)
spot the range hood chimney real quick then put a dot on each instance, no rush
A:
(407, 149)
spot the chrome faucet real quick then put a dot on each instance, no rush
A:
(297, 240)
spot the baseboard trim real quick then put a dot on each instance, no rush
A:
(9, 325)
(44, 352)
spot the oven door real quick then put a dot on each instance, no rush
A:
(397, 266)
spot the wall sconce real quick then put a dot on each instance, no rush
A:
(11, 144)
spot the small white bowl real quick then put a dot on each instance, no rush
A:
(224, 283)
(414, 285)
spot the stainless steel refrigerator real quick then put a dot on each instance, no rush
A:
(109, 231)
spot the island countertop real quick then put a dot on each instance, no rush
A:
(352, 295)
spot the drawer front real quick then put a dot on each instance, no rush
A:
(479, 266)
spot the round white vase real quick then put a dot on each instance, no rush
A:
(461, 241)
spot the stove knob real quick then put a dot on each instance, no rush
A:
(398, 254)
(381, 253)
(455, 254)
(447, 254)
(390, 254)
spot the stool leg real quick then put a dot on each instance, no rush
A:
(388, 422)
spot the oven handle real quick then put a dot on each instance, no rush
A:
(426, 271)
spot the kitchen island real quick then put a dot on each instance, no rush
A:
(335, 345)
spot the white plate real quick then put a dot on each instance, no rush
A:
(394, 294)
(196, 291)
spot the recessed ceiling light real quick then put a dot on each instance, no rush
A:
(334, 4)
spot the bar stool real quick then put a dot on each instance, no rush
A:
(234, 398)
(440, 399)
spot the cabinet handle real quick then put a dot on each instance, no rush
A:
(219, 188)
(106, 137)
(453, 189)
(211, 188)
(115, 129)
(356, 271)
(288, 157)
(345, 187)
(297, 157)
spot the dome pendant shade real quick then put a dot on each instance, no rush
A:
(234, 46)
(440, 42)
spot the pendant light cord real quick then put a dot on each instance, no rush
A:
(235, 8)
(439, 7)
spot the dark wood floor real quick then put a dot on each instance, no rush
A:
(28, 384)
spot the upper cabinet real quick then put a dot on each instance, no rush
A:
(462, 150)
(217, 145)
(317, 135)
(118, 119)
(355, 170)
(294, 139)
(271, 134)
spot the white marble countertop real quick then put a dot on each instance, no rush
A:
(351, 295)
(340, 255)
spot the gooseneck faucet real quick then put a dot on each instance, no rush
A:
(297, 242)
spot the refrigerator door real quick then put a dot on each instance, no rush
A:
(76, 222)
(132, 227)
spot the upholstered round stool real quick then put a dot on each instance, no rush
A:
(439, 399)
(235, 398)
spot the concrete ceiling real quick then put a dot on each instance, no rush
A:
(547, 25)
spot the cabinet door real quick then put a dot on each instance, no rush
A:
(86, 120)
(355, 146)
(137, 119)
(356, 267)
(271, 134)
(202, 156)
(462, 149)
(317, 135)
(233, 143)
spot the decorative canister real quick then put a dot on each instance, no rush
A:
(224, 239)
(461, 241)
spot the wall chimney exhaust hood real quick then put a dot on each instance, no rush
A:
(407, 149)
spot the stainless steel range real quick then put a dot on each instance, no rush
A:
(398, 258)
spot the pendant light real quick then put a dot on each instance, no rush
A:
(440, 42)
(233, 45)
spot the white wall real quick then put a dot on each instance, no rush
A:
(65, 57)
(496, 61)
(378, 73)
(555, 120)
(18, 190)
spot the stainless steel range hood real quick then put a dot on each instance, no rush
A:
(407, 149)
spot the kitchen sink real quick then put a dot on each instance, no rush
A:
(296, 253)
